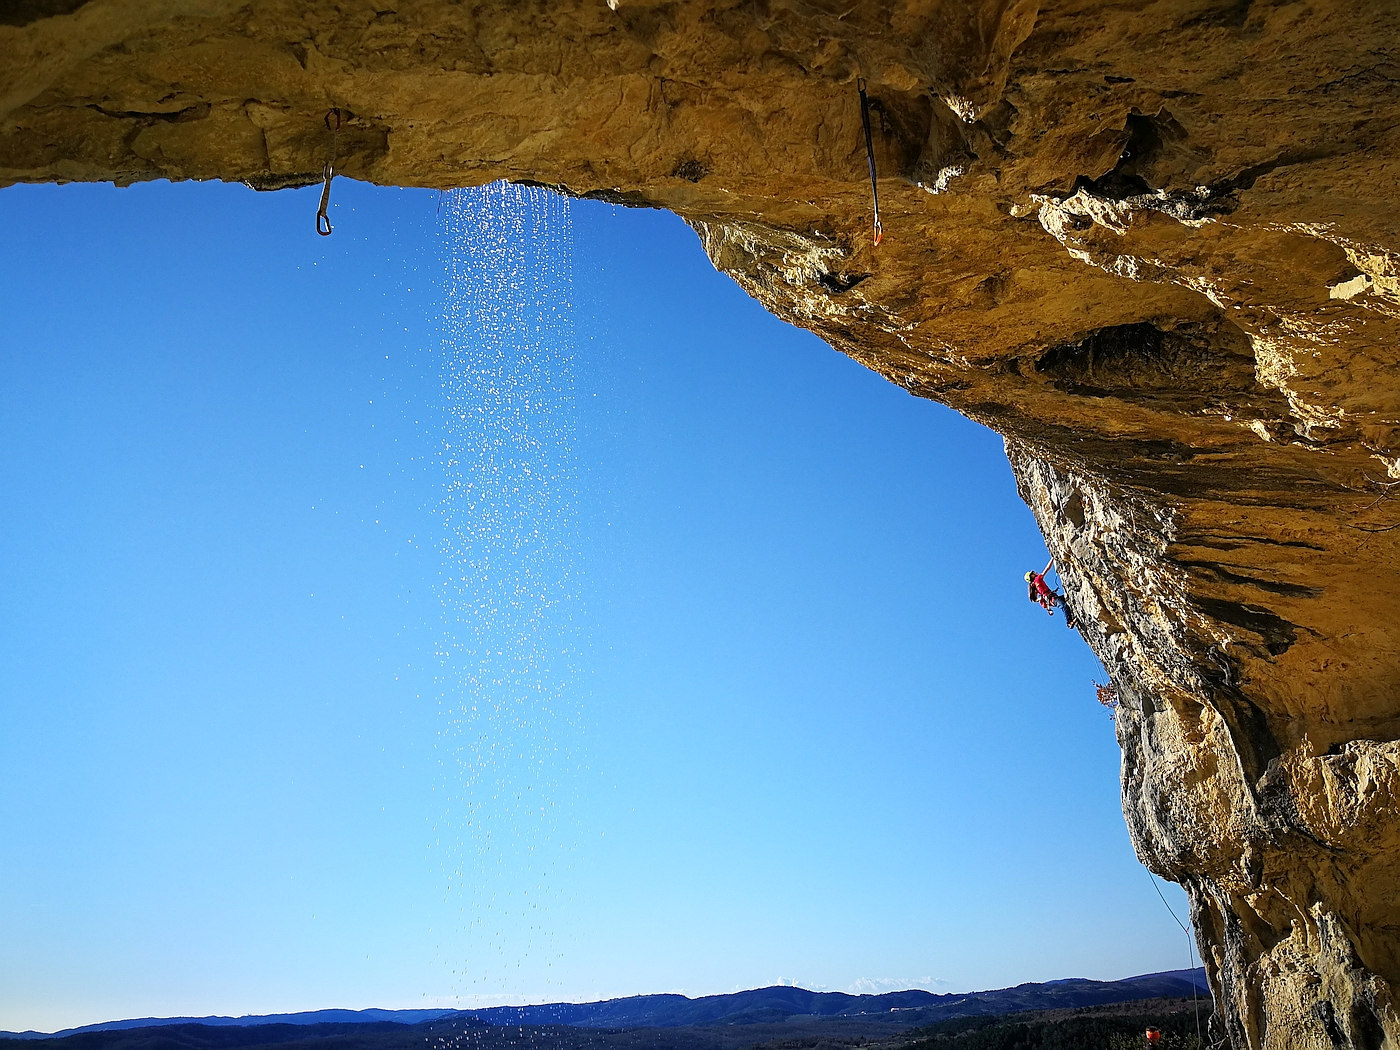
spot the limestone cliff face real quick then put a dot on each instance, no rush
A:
(1153, 244)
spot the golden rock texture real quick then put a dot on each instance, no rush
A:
(1153, 244)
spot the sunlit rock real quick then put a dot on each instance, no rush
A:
(1155, 246)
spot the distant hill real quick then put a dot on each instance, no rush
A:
(780, 1003)
(759, 1006)
(305, 1017)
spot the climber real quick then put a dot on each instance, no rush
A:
(1037, 590)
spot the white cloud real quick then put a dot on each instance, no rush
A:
(877, 985)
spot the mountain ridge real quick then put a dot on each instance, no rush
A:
(673, 1010)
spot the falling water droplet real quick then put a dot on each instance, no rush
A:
(508, 510)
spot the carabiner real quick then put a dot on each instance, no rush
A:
(321, 216)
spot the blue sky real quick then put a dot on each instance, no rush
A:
(792, 717)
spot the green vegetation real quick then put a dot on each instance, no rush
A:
(1063, 1030)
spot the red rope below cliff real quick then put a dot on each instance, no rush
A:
(1190, 953)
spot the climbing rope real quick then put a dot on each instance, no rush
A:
(870, 155)
(1190, 953)
(328, 172)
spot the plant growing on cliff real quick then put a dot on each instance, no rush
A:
(1387, 491)
(1107, 695)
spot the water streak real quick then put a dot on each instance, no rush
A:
(508, 512)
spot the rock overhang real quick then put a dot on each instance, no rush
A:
(1154, 247)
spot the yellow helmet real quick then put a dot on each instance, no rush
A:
(1030, 576)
